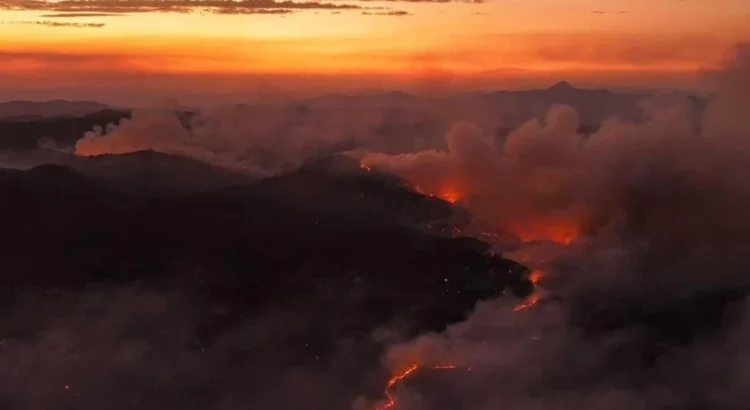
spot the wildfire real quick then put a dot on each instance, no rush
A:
(365, 167)
(449, 194)
(530, 301)
(562, 232)
(535, 277)
(396, 379)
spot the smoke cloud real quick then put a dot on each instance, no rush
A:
(641, 231)
(140, 347)
(271, 138)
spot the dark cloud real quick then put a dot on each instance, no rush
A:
(394, 13)
(256, 11)
(171, 6)
(73, 15)
(56, 24)
(608, 12)
(434, 1)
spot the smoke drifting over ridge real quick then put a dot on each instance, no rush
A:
(271, 138)
(633, 220)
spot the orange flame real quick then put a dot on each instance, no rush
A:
(559, 231)
(397, 378)
(535, 277)
(530, 301)
(449, 194)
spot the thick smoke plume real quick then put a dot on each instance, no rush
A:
(643, 236)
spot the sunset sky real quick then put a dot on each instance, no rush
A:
(134, 49)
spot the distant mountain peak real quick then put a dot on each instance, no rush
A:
(562, 86)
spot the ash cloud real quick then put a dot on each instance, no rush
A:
(647, 307)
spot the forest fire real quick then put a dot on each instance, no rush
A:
(562, 231)
(390, 401)
(449, 194)
(530, 301)
(535, 277)
(558, 229)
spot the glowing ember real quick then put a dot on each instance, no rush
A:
(535, 277)
(390, 400)
(449, 194)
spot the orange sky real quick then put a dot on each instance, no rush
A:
(437, 44)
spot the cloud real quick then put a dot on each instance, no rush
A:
(257, 11)
(394, 13)
(56, 24)
(173, 6)
(433, 1)
(73, 15)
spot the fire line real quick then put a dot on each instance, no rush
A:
(390, 401)
(396, 379)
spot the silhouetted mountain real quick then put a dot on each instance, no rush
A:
(56, 108)
(151, 172)
(329, 224)
(562, 87)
